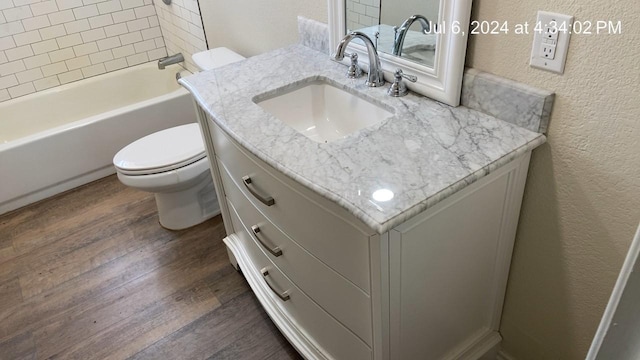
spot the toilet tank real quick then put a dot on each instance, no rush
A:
(211, 59)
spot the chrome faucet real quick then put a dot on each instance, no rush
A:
(401, 32)
(173, 59)
(376, 75)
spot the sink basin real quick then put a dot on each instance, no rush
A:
(323, 112)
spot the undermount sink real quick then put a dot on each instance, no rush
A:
(321, 111)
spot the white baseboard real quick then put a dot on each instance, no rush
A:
(502, 355)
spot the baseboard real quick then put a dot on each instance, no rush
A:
(479, 347)
(502, 355)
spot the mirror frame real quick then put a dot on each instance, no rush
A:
(443, 82)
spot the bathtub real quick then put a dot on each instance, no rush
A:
(63, 137)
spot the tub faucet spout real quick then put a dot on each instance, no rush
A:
(173, 59)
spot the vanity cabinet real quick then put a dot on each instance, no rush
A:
(429, 288)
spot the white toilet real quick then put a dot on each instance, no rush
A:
(172, 164)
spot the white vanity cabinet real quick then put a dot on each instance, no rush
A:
(430, 288)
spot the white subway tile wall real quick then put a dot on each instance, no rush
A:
(182, 30)
(53, 42)
(362, 13)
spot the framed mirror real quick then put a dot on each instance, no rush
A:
(426, 38)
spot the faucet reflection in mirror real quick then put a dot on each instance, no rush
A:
(401, 32)
(393, 20)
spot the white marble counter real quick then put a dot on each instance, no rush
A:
(423, 154)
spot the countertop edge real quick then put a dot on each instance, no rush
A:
(355, 211)
(455, 187)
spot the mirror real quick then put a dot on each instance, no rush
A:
(425, 38)
(404, 28)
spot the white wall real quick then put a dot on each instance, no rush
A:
(581, 204)
(48, 43)
(251, 27)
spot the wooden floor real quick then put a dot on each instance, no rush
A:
(90, 274)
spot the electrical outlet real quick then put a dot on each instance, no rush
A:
(551, 41)
(548, 51)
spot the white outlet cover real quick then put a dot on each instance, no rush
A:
(562, 24)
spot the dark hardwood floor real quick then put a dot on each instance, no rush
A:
(90, 274)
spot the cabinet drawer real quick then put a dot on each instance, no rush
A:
(321, 227)
(319, 327)
(334, 293)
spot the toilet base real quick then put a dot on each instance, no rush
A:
(183, 209)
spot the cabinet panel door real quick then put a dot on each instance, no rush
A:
(444, 273)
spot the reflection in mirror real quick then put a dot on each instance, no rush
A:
(404, 28)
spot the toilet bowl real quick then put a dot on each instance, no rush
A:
(173, 165)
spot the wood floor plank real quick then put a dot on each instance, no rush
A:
(38, 224)
(69, 296)
(210, 334)
(142, 329)
(10, 294)
(286, 353)
(45, 270)
(18, 347)
(124, 302)
(97, 253)
(7, 253)
(255, 343)
(38, 241)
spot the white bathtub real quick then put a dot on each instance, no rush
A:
(60, 138)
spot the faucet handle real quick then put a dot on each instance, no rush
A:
(398, 87)
(354, 71)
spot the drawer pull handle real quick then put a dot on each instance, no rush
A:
(275, 251)
(284, 296)
(267, 200)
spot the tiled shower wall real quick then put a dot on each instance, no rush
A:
(182, 29)
(48, 43)
(362, 13)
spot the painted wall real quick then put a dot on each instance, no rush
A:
(581, 204)
(251, 27)
(48, 43)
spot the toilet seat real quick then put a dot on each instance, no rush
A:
(162, 151)
(171, 180)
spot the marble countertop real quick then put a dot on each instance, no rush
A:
(423, 154)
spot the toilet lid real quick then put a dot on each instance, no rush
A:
(161, 151)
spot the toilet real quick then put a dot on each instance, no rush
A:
(173, 165)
